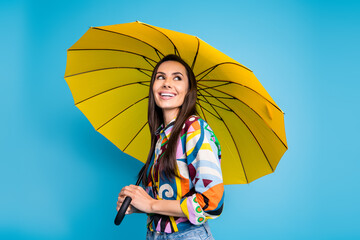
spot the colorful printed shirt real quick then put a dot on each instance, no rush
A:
(200, 187)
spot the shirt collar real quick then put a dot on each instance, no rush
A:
(161, 130)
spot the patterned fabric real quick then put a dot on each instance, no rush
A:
(200, 187)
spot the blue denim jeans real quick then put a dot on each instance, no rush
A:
(192, 233)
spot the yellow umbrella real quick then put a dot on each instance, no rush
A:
(108, 71)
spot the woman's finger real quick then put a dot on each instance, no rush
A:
(121, 198)
(140, 199)
(119, 202)
(126, 188)
(128, 193)
(118, 205)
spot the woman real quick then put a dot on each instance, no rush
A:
(183, 185)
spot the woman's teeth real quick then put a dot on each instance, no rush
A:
(167, 95)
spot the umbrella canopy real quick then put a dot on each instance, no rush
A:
(109, 69)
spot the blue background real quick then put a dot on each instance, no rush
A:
(60, 178)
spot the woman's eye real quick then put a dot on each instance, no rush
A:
(177, 78)
(160, 77)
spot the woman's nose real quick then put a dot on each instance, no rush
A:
(167, 83)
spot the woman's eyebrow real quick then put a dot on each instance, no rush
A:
(174, 73)
(177, 73)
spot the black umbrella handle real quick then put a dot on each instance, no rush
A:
(124, 206)
(121, 213)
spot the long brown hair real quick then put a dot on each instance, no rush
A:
(168, 165)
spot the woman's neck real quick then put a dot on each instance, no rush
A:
(169, 115)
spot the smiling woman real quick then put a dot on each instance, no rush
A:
(182, 186)
(170, 87)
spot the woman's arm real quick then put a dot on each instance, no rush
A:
(168, 208)
(142, 202)
(203, 158)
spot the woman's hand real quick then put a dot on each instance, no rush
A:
(141, 201)
(130, 210)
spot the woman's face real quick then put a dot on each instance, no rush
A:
(170, 86)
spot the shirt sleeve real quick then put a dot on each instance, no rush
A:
(205, 200)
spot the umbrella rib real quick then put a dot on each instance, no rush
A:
(215, 97)
(146, 59)
(115, 50)
(213, 87)
(242, 85)
(175, 49)
(196, 54)
(209, 71)
(134, 137)
(249, 108)
(209, 112)
(109, 68)
(122, 112)
(222, 120)
(141, 83)
(142, 71)
(218, 115)
(272, 169)
(218, 106)
(201, 108)
(100, 29)
(219, 64)
(157, 53)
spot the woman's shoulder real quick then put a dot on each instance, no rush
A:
(196, 126)
(194, 123)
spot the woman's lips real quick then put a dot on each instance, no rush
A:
(166, 95)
